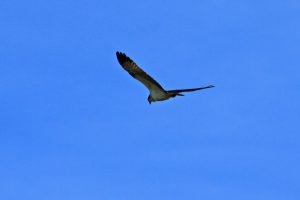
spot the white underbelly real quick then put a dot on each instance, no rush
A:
(159, 95)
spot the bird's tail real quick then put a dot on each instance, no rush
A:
(175, 93)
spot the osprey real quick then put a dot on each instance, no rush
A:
(157, 92)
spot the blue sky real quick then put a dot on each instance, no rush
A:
(74, 125)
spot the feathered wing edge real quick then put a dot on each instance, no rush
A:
(177, 92)
(136, 72)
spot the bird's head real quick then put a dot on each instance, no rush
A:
(150, 99)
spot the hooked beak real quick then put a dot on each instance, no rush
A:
(149, 99)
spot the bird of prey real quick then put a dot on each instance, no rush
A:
(157, 92)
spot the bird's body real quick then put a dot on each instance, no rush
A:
(157, 92)
(159, 95)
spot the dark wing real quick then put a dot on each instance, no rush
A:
(135, 71)
(189, 90)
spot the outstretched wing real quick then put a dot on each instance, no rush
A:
(188, 90)
(136, 72)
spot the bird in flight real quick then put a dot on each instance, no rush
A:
(157, 92)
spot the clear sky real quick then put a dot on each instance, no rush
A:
(74, 125)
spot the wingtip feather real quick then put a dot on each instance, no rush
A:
(122, 57)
